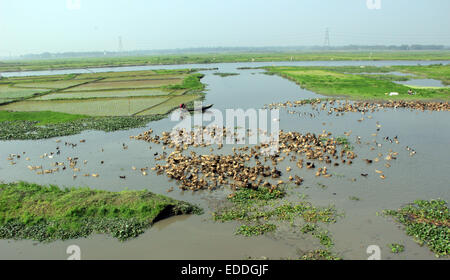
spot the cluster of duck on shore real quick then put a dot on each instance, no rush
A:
(343, 106)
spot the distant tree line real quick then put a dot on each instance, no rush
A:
(48, 55)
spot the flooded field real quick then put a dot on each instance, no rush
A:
(103, 94)
(419, 175)
(8, 92)
(127, 84)
(112, 93)
(94, 107)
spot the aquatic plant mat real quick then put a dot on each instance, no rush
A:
(428, 222)
(38, 125)
(225, 74)
(261, 210)
(48, 213)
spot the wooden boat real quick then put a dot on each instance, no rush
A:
(204, 108)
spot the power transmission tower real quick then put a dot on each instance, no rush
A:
(120, 44)
(327, 38)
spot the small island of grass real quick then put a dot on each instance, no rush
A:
(48, 213)
(225, 74)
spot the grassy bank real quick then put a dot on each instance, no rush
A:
(48, 213)
(361, 83)
(428, 222)
(53, 64)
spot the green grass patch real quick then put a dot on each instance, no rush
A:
(428, 222)
(48, 213)
(436, 71)
(337, 81)
(191, 82)
(249, 230)
(225, 74)
(41, 118)
(320, 254)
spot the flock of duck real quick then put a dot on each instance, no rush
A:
(250, 166)
(340, 107)
(56, 166)
(247, 166)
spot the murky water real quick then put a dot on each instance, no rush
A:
(423, 83)
(421, 176)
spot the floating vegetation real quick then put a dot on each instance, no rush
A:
(319, 254)
(260, 210)
(32, 130)
(225, 74)
(48, 213)
(396, 248)
(428, 222)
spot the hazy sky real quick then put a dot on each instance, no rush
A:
(34, 26)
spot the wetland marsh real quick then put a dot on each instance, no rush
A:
(313, 219)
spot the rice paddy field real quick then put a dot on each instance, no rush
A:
(105, 94)
(92, 107)
(11, 93)
(112, 93)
